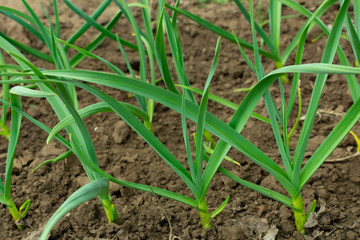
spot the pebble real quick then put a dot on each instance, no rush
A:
(121, 132)
(322, 193)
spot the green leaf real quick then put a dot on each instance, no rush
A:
(328, 56)
(352, 81)
(95, 43)
(312, 209)
(356, 7)
(275, 23)
(14, 137)
(186, 138)
(200, 123)
(28, 49)
(10, 67)
(101, 8)
(221, 31)
(269, 42)
(267, 192)
(24, 208)
(331, 142)
(27, 92)
(177, 54)
(160, 53)
(97, 26)
(58, 158)
(43, 30)
(220, 208)
(91, 110)
(297, 7)
(140, 47)
(19, 17)
(82, 195)
(2, 200)
(91, 55)
(354, 38)
(243, 54)
(225, 102)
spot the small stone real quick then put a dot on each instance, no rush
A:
(271, 233)
(232, 232)
(23, 160)
(325, 219)
(228, 182)
(322, 193)
(286, 227)
(284, 212)
(114, 188)
(351, 235)
(121, 132)
(82, 180)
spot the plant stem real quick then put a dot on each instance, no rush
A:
(5, 130)
(148, 125)
(300, 216)
(284, 78)
(109, 208)
(14, 212)
(204, 215)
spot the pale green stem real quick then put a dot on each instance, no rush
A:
(204, 215)
(14, 212)
(109, 208)
(148, 125)
(284, 78)
(300, 216)
(5, 130)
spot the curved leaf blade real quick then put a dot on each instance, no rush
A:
(27, 92)
(84, 194)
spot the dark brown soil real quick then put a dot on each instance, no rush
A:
(248, 214)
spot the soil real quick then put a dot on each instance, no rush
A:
(125, 155)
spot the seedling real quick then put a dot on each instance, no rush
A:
(57, 85)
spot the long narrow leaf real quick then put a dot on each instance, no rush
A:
(352, 81)
(297, 7)
(86, 25)
(331, 142)
(82, 195)
(28, 49)
(356, 8)
(95, 43)
(200, 123)
(269, 42)
(23, 91)
(221, 31)
(91, 55)
(98, 26)
(142, 57)
(226, 103)
(275, 23)
(160, 53)
(93, 109)
(18, 17)
(186, 138)
(177, 56)
(328, 56)
(14, 136)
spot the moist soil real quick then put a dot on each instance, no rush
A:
(125, 155)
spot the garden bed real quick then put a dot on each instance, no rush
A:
(125, 155)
